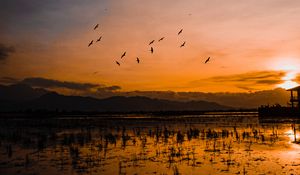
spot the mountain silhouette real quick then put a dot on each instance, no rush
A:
(20, 92)
(39, 99)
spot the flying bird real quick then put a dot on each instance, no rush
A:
(118, 63)
(207, 60)
(91, 43)
(96, 26)
(99, 39)
(151, 42)
(137, 60)
(151, 50)
(182, 44)
(161, 39)
(123, 55)
(180, 32)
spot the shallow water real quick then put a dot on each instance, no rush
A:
(215, 143)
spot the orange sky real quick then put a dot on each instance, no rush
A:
(253, 45)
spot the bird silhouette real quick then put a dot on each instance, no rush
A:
(180, 32)
(96, 26)
(99, 39)
(151, 42)
(91, 43)
(118, 63)
(161, 39)
(207, 60)
(137, 60)
(123, 55)
(182, 44)
(152, 50)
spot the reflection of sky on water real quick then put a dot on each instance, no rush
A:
(291, 135)
(209, 145)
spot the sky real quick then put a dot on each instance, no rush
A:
(253, 45)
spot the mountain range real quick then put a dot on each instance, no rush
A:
(19, 97)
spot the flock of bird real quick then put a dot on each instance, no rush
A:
(150, 43)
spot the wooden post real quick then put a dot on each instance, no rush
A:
(292, 99)
(295, 134)
(298, 98)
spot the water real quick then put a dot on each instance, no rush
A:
(215, 143)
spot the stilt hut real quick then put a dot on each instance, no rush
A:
(295, 97)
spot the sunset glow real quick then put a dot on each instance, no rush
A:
(149, 87)
(291, 135)
(291, 68)
(258, 40)
(289, 80)
(288, 84)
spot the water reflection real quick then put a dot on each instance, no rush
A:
(215, 144)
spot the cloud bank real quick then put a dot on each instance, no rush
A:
(77, 86)
(8, 80)
(246, 81)
(5, 51)
(243, 100)
(298, 78)
(49, 83)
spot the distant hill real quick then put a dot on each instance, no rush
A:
(20, 92)
(236, 100)
(39, 99)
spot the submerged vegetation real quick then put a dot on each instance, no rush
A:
(213, 144)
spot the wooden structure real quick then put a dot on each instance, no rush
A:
(277, 113)
(295, 97)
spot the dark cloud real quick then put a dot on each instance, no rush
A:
(5, 51)
(261, 77)
(109, 88)
(298, 78)
(250, 81)
(82, 88)
(106, 91)
(49, 83)
(246, 88)
(269, 82)
(8, 80)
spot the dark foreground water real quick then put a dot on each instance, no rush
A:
(216, 143)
